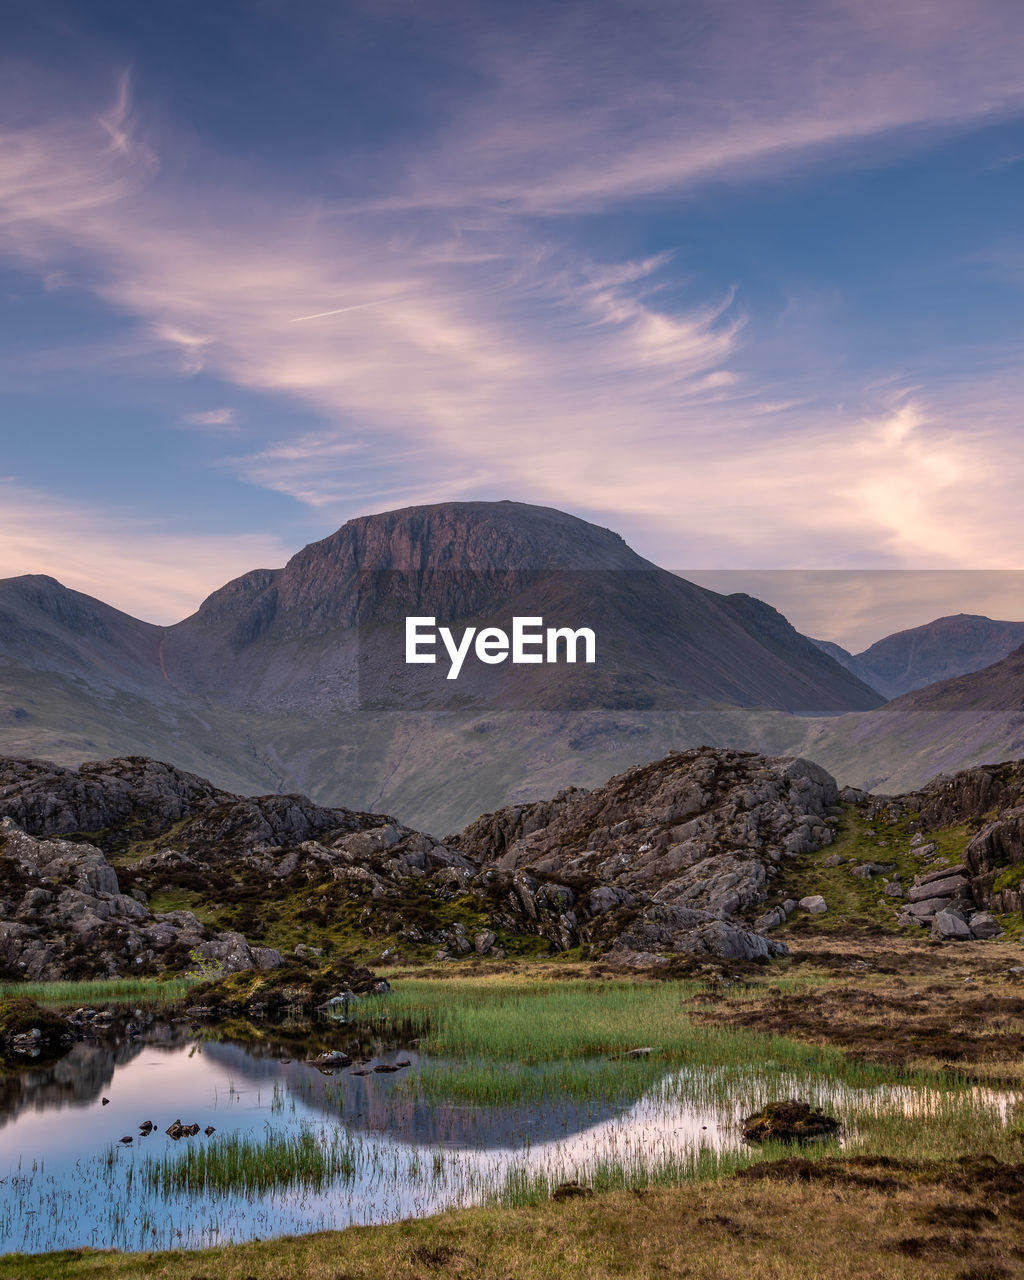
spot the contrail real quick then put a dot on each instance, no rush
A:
(318, 315)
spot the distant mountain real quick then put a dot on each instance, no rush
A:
(295, 679)
(47, 627)
(939, 650)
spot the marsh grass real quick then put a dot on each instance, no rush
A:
(133, 991)
(635, 1171)
(248, 1165)
(507, 1041)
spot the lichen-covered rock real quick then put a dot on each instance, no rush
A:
(671, 857)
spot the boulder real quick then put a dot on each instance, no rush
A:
(867, 870)
(984, 925)
(814, 904)
(942, 873)
(948, 887)
(770, 920)
(949, 926)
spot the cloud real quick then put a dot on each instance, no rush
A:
(454, 343)
(222, 418)
(615, 105)
(145, 568)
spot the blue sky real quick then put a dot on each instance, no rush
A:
(740, 280)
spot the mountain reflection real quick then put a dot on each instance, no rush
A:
(276, 1064)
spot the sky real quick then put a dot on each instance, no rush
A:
(740, 279)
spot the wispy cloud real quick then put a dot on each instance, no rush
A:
(617, 105)
(452, 342)
(223, 419)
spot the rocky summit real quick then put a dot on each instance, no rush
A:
(674, 856)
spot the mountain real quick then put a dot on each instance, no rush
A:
(939, 650)
(327, 630)
(295, 678)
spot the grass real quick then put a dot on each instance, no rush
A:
(129, 991)
(252, 1166)
(853, 901)
(917, 1166)
(904, 1001)
(866, 1221)
(495, 1031)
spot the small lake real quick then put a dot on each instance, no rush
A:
(66, 1179)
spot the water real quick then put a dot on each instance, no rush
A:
(67, 1181)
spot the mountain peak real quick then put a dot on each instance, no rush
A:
(503, 536)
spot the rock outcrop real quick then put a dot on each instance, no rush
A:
(63, 915)
(674, 856)
(989, 801)
(682, 856)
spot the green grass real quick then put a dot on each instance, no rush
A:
(852, 900)
(240, 1164)
(513, 1040)
(133, 991)
(1011, 878)
(183, 900)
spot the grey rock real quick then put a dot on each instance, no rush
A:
(814, 904)
(942, 873)
(770, 920)
(949, 887)
(985, 926)
(948, 925)
(925, 909)
(867, 870)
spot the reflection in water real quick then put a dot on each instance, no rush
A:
(78, 1078)
(66, 1180)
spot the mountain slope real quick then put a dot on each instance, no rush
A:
(944, 727)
